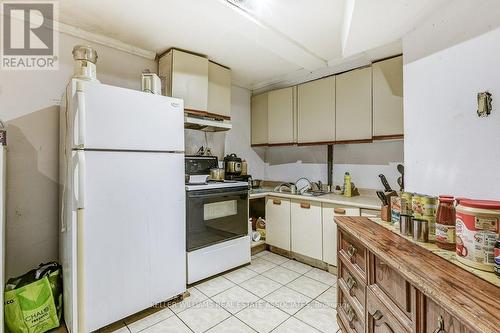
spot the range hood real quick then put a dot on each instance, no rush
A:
(206, 124)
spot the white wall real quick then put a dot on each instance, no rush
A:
(448, 149)
(29, 103)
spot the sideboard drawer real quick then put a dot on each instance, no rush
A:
(352, 285)
(438, 320)
(352, 251)
(350, 318)
(393, 285)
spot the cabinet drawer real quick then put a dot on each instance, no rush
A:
(438, 320)
(352, 251)
(352, 286)
(351, 319)
(379, 318)
(393, 285)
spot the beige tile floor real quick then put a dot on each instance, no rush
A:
(272, 294)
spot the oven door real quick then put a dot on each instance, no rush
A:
(215, 215)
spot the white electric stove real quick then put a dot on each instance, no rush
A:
(217, 235)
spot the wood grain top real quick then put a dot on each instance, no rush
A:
(475, 302)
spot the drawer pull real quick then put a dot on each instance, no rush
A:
(351, 315)
(305, 205)
(350, 284)
(377, 315)
(440, 328)
(351, 251)
(339, 211)
(276, 202)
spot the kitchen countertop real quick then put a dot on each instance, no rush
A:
(365, 200)
(472, 300)
(445, 254)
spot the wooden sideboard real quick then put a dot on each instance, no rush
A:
(387, 284)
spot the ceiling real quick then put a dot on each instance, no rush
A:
(266, 43)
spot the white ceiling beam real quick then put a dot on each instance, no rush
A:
(271, 39)
(346, 23)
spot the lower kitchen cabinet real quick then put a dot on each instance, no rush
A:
(278, 222)
(306, 228)
(438, 320)
(330, 229)
(380, 318)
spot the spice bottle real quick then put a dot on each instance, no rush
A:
(445, 224)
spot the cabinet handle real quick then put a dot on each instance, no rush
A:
(351, 252)
(440, 328)
(339, 211)
(305, 205)
(276, 202)
(351, 315)
(377, 315)
(350, 284)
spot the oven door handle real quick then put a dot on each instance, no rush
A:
(211, 194)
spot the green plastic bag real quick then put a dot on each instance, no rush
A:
(33, 301)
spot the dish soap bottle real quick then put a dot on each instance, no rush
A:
(347, 185)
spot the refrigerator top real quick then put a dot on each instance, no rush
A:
(104, 117)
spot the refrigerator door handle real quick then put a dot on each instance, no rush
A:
(80, 202)
(80, 99)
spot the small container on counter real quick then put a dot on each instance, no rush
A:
(405, 225)
(406, 202)
(421, 230)
(445, 223)
(429, 205)
(496, 254)
(431, 220)
(395, 209)
(477, 230)
(416, 205)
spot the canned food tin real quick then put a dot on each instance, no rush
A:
(429, 205)
(395, 209)
(431, 226)
(416, 205)
(406, 198)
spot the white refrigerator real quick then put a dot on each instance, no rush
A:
(123, 227)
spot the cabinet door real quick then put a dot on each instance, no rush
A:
(388, 97)
(316, 111)
(278, 222)
(354, 105)
(330, 229)
(259, 119)
(306, 228)
(438, 320)
(219, 89)
(379, 318)
(190, 80)
(281, 116)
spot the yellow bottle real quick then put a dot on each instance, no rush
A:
(347, 185)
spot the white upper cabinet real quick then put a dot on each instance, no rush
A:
(219, 89)
(316, 111)
(282, 116)
(354, 105)
(185, 76)
(388, 97)
(259, 119)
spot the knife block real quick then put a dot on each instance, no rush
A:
(385, 213)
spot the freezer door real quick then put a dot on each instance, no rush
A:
(100, 116)
(133, 233)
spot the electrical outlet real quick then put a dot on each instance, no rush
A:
(483, 104)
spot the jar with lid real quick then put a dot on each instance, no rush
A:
(445, 223)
